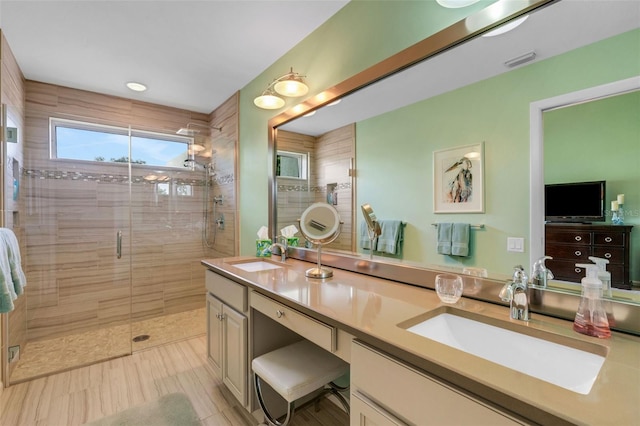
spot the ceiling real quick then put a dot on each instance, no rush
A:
(554, 30)
(191, 54)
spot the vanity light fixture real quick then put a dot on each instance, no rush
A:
(188, 131)
(455, 4)
(136, 87)
(290, 85)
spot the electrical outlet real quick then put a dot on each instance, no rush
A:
(515, 244)
(14, 353)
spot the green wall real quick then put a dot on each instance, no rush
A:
(400, 145)
(495, 111)
(360, 35)
(601, 141)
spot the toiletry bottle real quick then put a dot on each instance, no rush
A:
(605, 277)
(591, 318)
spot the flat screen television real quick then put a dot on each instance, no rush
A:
(582, 202)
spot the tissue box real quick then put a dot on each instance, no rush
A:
(262, 248)
(293, 241)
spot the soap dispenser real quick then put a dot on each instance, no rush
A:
(591, 318)
(603, 274)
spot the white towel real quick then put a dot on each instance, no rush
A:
(390, 237)
(12, 278)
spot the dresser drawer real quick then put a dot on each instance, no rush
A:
(311, 329)
(230, 292)
(566, 270)
(569, 252)
(612, 254)
(570, 237)
(608, 239)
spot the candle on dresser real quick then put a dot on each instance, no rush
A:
(614, 206)
(620, 198)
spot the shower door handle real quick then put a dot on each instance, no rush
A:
(119, 244)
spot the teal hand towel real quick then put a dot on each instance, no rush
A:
(365, 242)
(460, 239)
(444, 238)
(390, 237)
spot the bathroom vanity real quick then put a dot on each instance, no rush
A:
(398, 376)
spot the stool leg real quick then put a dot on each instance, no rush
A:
(272, 420)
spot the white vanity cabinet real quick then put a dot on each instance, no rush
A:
(385, 391)
(227, 331)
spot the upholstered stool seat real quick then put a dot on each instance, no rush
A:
(295, 371)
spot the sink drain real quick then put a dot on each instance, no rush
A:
(141, 338)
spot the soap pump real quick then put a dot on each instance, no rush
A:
(591, 318)
(603, 274)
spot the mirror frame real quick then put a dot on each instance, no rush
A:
(549, 301)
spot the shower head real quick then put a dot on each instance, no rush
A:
(188, 131)
(185, 131)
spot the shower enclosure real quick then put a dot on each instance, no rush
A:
(112, 247)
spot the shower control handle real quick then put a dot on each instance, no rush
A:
(119, 244)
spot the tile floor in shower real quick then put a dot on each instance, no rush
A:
(48, 356)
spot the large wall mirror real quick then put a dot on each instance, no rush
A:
(386, 132)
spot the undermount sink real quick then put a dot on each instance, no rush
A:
(570, 363)
(256, 265)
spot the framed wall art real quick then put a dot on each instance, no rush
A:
(458, 179)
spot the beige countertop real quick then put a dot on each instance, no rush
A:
(371, 309)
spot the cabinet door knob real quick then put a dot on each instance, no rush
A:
(220, 317)
(608, 239)
(578, 238)
(607, 255)
(578, 253)
(279, 313)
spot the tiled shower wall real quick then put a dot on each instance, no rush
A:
(331, 157)
(74, 209)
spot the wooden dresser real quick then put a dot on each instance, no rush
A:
(569, 244)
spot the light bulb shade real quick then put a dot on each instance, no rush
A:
(268, 101)
(292, 87)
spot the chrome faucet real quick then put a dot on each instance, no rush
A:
(540, 274)
(282, 247)
(515, 292)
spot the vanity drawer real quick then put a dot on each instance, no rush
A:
(311, 329)
(230, 292)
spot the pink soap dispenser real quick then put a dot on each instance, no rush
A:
(591, 318)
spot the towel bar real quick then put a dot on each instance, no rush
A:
(479, 226)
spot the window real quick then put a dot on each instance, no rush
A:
(291, 165)
(75, 140)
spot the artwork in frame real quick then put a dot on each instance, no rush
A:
(458, 179)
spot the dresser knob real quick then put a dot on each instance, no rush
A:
(578, 253)
(607, 255)
(279, 313)
(578, 238)
(608, 239)
(578, 270)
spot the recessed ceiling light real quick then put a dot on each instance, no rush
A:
(455, 4)
(506, 27)
(136, 87)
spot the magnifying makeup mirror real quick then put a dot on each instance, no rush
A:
(320, 224)
(373, 227)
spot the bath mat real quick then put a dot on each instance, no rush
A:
(170, 410)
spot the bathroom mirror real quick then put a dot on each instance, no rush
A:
(396, 187)
(320, 224)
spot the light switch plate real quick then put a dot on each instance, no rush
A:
(515, 244)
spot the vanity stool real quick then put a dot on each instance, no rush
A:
(295, 371)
